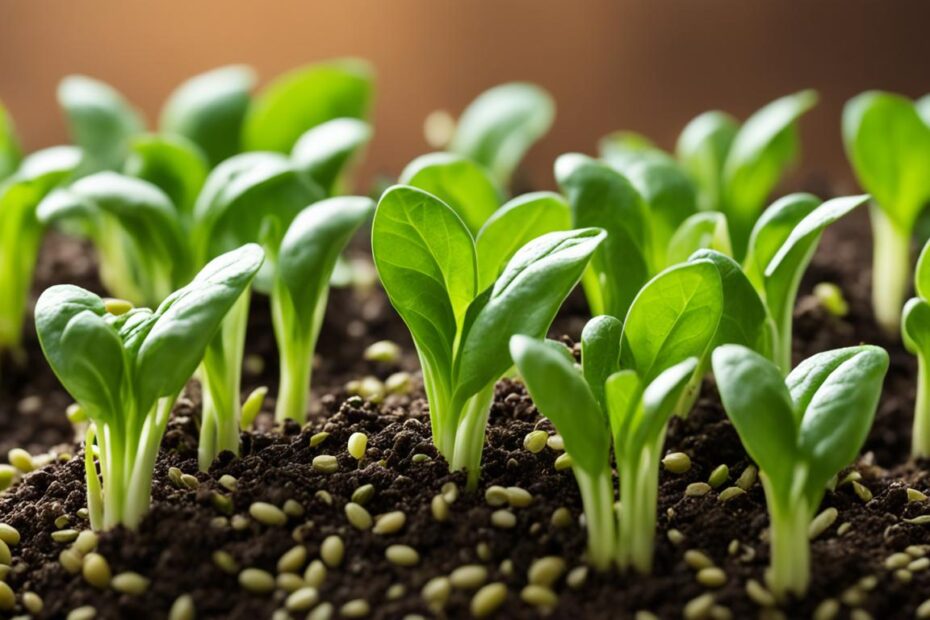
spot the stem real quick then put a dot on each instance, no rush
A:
(469, 435)
(891, 270)
(20, 238)
(597, 496)
(790, 519)
(920, 442)
(142, 468)
(639, 484)
(94, 492)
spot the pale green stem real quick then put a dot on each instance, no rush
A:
(139, 493)
(94, 492)
(639, 481)
(469, 434)
(920, 442)
(112, 453)
(597, 496)
(891, 270)
(790, 519)
(19, 246)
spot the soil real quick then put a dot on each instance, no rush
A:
(175, 543)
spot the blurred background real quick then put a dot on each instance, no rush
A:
(643, 65)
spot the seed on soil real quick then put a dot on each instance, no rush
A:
(399, 383)
(382, 351)
(822, 522)
(222, 503)
(267, 514)
(916, 551)
(71, 561)
(561, 517)
(468, 577)
(7, 475)
(852, 597)
(324, 496)
(711, 577)
(33, 602)
(96, 570)
(697, 560)
(720, 475)
(292, 560)
(62, 521)
(868, 583)
(358, 516)
(495, 495)
(293, 509)
(86, 612)
(576, 577)
(82, 513)
(923, 610)
(897, 560)
(519, 497)
(862, 491)
(64, 536)
(419, 458)
(190, 481)
(402, 555)
(390, 523)
(357, 608)
(318, 438)
(758, 594)
(535, 441)
(395, 591)
(730, 493)
(7, 597)
(697, 489)
(315, 574)
(903, 575)
(546, 571)
(645, 615)
(302, 599)
(563, 462)
(86, 542)
(219, 522)
(332, 551)
(358, 443)
(363, 494)
(6, 556)
(913, 495)
(699, 607)
(538, 596)
(182, 608)
(483, 551)
(21, 460)
(488, 599)
(174, 475)
(747, 478)
(921, 520)
(675, 536)
(225, 562)
(506, 568)
(440, 508)
(436, 592)
(828, 609)
(555, 442)
(256, 580)
(325, 463)
(450, 492)
(228, 482)
(289, 582)
(130, 583)
(677, 462)
(918, 565)
(503, 519)
(843, 528)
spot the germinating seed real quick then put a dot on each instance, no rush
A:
(228, 482)
(302, 599)
(292, 560)
(535, 441)
(62, 521)
(256, 580)
(358, 443)
(440, 508)
(758, 594)
(576, 577)
(503, 519)
(677, 462)
(436, 591)
(720, 475)
(862, 491)
(828, 609)
(357, 608)
(325, 463)
(822, 522)
(697, 489)
(729, 493)
(85, 612)
(402, 555)
(468, 577)
(563, 462)
(363, 494)
(450, 492)
(358, 516)
(697, 560)
(546, 571)
(495, 495)
(221, 503)
(332, 551)
(289, 582)
(913, 495)
(419, 458)
(711, 577)
(699, 607)
(33, 602)
(130, 583)
(538, 596)
(390, 523)
(318, 438)
(190, 481)
(488, 599)
(921, 520)
(96, 570)
(315, 574)
(225, 562)
(748, 477)
(267, 514)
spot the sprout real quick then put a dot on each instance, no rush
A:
(915, 330)
(10, 152)
(326, 152)
(126, 372)
(801, 431)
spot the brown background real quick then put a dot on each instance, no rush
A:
(647, 65)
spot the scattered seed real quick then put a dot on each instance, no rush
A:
(225, 562)
(747, 478)
(506, 568)
(538, 596)
(711, 577)
(82, 513)
(267, 514)
(71, 561)
(913, 495)
(96, 570)
(828, 609)
(219, 522)
(86, 541)
(228, 482)
(315, 574)
(535, 441)
(843, 528)
(852, 597)
(62, 521)
(436, 592)
(302, 599)
(555, 442)
(822, 522)
(921, 520)
(916, 551)
(919, 565)
(868, 583)
(64, 536)
(318, 438)
(758, 594)
(325, 463)
(358, 516)
(292, 560)
(357, 608)
(402, 555)
(518, 497)
(488, 599)
(222, 503)
(897, 560)
(358, 443)
(903, 575)
(699, 607)
(419, 458)
(256, 580)
(468, 577)
(6, 556)
(21, 460)
(675, 536)
(332, 551)
(33, 602)
(395, 591)
(382, 351)
(324, 496)
(561, 517)
(190, 481)
(85, 612)
(733, 547)
(182, 608)
(859, 614)
(371, 388)
(439, 508)
(576, 577)
(7, 475)
(503, 519)
(546, 571)
(697, 489)
(495, 495)
(483, 551)
(642, 614)
(7, 597)
(399, 383)
(923, 610)
(697, 560)
(130, 583)
(563, 462)
(862, 491)
(720, 475)
(677, 462)
(390, 523)
(363, 494)
(729, 493)
(289, 582)
(174, 475)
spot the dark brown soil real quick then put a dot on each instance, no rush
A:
(174, 545)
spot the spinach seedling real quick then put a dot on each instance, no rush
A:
(915, 331)
(801, 431)
(127, 371)
(10, 151)
(326, 152)
(21, 231)
(501, 124)
(427, 261)
(888, 144)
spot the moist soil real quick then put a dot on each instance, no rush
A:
(175, 545)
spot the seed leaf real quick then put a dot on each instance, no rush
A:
(326, 151)
(705, 230)
(600, 353)
(702, 149)
(172, 163)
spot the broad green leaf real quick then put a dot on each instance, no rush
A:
(173, 163)
(915, 326)
(760, 407)
(457, 181)
(702, 149)
(623, 392)
(707, 230)
(675, 316)
(209, 110)
(500, 126)
(622, 149)
(10, 152)
(304, 98)
(600, 196)
(922, 273)
(514, 225)
(888, 145)
(600, 353)
(561, 394)
(100, 120)
(660, 399)
(311, 246)
(326, 151)
(523, 300)
(772, 230)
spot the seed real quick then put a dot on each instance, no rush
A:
(318, 438)
(62, 521)
(190, 481)
(324, 497)
(130, 583)
(923, 610)
(868, 583)
(363, 494)
(419, 458)
(546, 571)
(221, 503)
(358, 516)
(399, 383)
(256, 580)
(698, 607)
(71, 561)
(439, 508)
(116, 307)
(677, 462)
(697, 560)
(576, 577)
(903, 575)
(371, 388)
(84, 612)
(495, 495)
(228, 482)
(357, 608)
(219, 522)
(862, 491)
(921, 520)
(252, 406)
(535, 441)
(503, 519)
(729, 493)
(759, 595)
(174, 475)
(822, 522)
(86, 541)
(468, 577)
(916, 551)
(436, 591)
(852, 597)
(332, 551)
(7, 597)
(563, 462)
(382, 351)
(358, 442)
(747, 478)
(390, 523)
(289, 582)
(225, 562)
(402, 555)
(697, 489)
(918, 565)
(267, 514)
(6, 556)
(561, 517)
(720, 475)
(675, 536)
(395, 591)
(555, 442)
(897, 560)
(518, 497)
(33, 602)
(21, 460)
(488, 599)
(315, 574)
(913, 495)
(506, 568)
(96, 570)
(182, 608)
(450, 492)
(831, 299)
(323, 611)
(828, 609)
(538, 596)
(325, 463)
(645, 615)
(293, 559)
(82, 513)
(843, 528)
(483, 551)
(711, 577)
(293, 508)
(302, 599)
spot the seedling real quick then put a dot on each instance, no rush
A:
(801, 431)
(10, 152)
(126, 372)
(888, 144)
(428, 263)
(915, 330)
(326, 152)
(500, 126)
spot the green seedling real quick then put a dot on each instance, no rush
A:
(915, 330)
(172, 163)
(326, 152)
(10, 151)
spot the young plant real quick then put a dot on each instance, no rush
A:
(915, 331)
(501, 124)
(10, 152)
(326, 152)
(427, 261)
(21, 232)
(127, 371)
(801, 431)
(888, 144)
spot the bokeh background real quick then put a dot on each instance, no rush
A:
(643, 65)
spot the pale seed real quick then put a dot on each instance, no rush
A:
(822, 522)
(923, 610)
(495, 495)
(190, 481)
(506, 567)
(130, 583)
(256, 580)
(843, 528)
(913, 495)
(747, 478)
(828, 609)
(395, 591)
(325, 463)
(645, 615)
(675, 536)
(436, 591)
(318, 438)
(62, 521)
(503, 519)
(916, 551)
(439, 508)
(697, 560)
(225, 562)
(357, 608)
(919, 565)
(563, 462)
(921, 520)
(759, 595)
(677, 462)
(7, 475)
(7, 597)
(535, 441)
(315, 574)
(546, 571)
(862, 491)
(6, 556)
(697, 489)
(450, 492)
(84, 612)
(561, 517)
(399, 383)
(576, 577)
(71, 561)
(289, 582)
(292, 560)
(468, 577)
(382, 351)
(488, 599)
(720, 475)
(33, 602)
(21, 460)
(323, 611)
(221, 503)
(363, 494)
(518, 497)
(903, 575)
(390, 523)
(96, 570)
(402, 555)
(358, 443)
(332, 551)
(897, 560)
(419, 458)
(711, 577)
(483, 551)
(324, 496)
(293, 508)
(302, 599)
(182, 608)
(116, 307)
(267, 514)
(358, 516)
(555, 442)
(699, 607)
(729, 493)
(538, 596)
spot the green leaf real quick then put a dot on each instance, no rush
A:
(500, 126)
(325, 152)
(772, 230)
(600, 196)
(915, 326)
(888, 145)
(706, 230)
(600, 353)
(209, 110)
(172, 163)
(514, 225)
(623, 392)
(100, 121)
(702, 149)
(660, 399)
(561, 394)
(621, 149)
(922, 272)
(675, 316)
(523, 300)
(10, 152)
(304, 98)
(459, 182)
